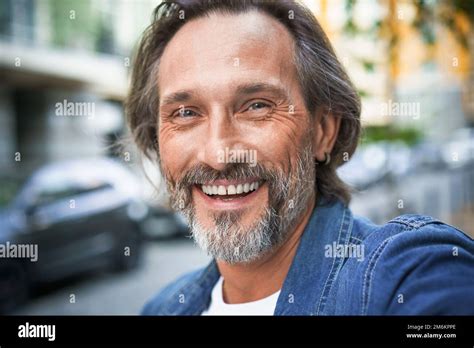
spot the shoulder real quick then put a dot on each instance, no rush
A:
(414, 264)
(412, 232)
(417, 230)
(159, 304)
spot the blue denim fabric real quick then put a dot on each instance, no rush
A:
(413, 265)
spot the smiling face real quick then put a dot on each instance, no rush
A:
(235, 139)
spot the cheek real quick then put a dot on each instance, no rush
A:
(172, 150)
(279, 138)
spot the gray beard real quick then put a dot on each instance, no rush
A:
(233, 243)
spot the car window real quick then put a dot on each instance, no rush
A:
(60, 192)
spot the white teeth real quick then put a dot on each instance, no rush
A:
(229, 190)
(222, 191)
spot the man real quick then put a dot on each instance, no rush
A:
(217, 83)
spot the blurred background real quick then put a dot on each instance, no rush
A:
(107, 241)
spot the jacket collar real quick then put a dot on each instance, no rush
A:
(312, 274)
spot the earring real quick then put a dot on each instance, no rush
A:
(326, 161)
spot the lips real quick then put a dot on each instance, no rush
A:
(212, 189)
(229, 194)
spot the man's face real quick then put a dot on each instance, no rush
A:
(229, 94)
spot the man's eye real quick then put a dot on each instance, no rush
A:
(257, 106)
(186, 113)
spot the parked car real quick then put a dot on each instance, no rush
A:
(367, 167)
(459, 149)
(428, 155)
(82, 215)
(161, 223)
(376, 163)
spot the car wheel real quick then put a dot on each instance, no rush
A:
(128, 254)
(14, 286)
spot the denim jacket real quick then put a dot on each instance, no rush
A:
(346, 265)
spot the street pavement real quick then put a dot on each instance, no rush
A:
(108, 293)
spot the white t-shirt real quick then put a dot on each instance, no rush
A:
(265, 306)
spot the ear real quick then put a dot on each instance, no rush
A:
(326, 129)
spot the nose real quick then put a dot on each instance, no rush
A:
(221, 135)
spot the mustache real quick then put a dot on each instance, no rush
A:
(201, 174)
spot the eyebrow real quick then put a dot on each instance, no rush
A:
(177, 97)
(241, 90)
(251, 88)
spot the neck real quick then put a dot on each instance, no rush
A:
(247, 282)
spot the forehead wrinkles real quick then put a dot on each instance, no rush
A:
(251, 40)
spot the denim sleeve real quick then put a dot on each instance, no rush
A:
(157, 305)
(427, 270)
